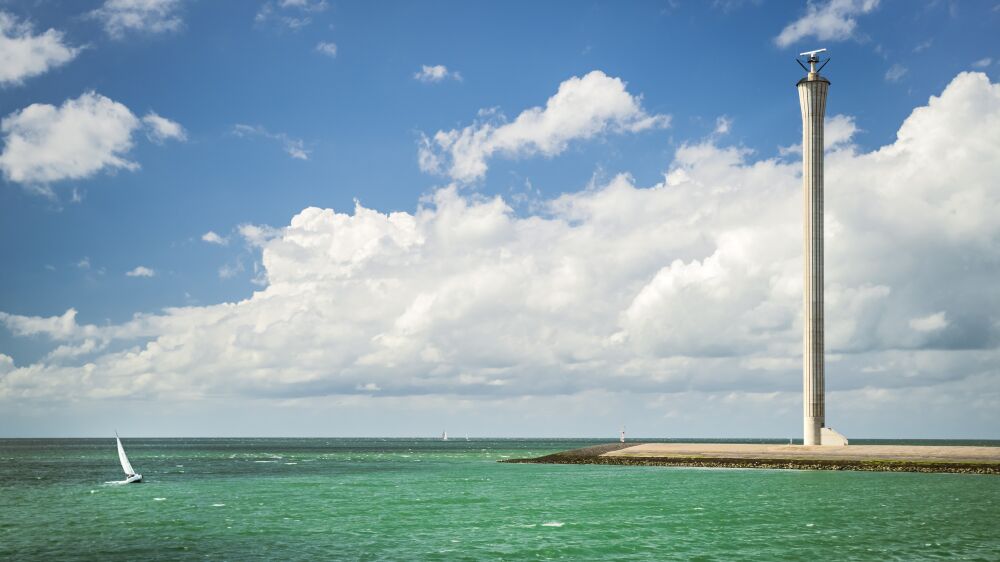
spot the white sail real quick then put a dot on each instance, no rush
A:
(126, 466)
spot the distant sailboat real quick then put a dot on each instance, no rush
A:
(444, 435)
(130, 474)
(622, 440)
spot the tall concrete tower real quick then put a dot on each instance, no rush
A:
(812, 98)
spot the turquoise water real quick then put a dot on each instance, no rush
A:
(405, 499)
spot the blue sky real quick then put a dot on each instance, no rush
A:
(272, 122)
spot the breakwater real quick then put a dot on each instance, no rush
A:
(617, 454)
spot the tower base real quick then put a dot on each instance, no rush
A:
(829, 436)
(811, 431)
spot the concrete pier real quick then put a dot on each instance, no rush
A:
(869, 458)
(916, 453)
(812, 99)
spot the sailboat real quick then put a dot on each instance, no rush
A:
(444, 435)
(130, 474)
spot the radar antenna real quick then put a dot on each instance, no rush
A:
(812, 54)
(813, 60)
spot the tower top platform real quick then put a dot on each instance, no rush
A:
(812, 72)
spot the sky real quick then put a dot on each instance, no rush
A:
(326, 218)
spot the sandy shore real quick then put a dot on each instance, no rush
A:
(888, 458)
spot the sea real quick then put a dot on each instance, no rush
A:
(427, 499)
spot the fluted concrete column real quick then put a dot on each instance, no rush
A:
(812, 98)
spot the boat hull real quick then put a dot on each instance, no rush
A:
(134, 479)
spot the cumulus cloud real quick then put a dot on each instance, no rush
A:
(120, 17)
(930, 323)
(832, 20)
(212, 238)
(160, 129)
(295, 148)
(140, 271)
(327, 48)
(73, 351)
(62, 327)
(692, 285)
(838, 133)
(86, 135)
(582, 108)
(24, 54)
(44, 143)
(257, 235)
(436, 73)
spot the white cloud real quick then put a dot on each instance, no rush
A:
(930, 323)
(895, 72)
(684, 291)
(291, 14)
(923, 46)
(327, 48)
(230, 270)
(257, 235)
(723, 124)
(582, 108)
(44, 143)
(832, 20)
(838, 131)
(161, 129)
(436, 73)
(57, 327)
(212, 238)
(307, 5)
(87, 347)
(141, 271)
(983, 62)
(120, 17)
(24, 54)
(292, 146)
(296, 149)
